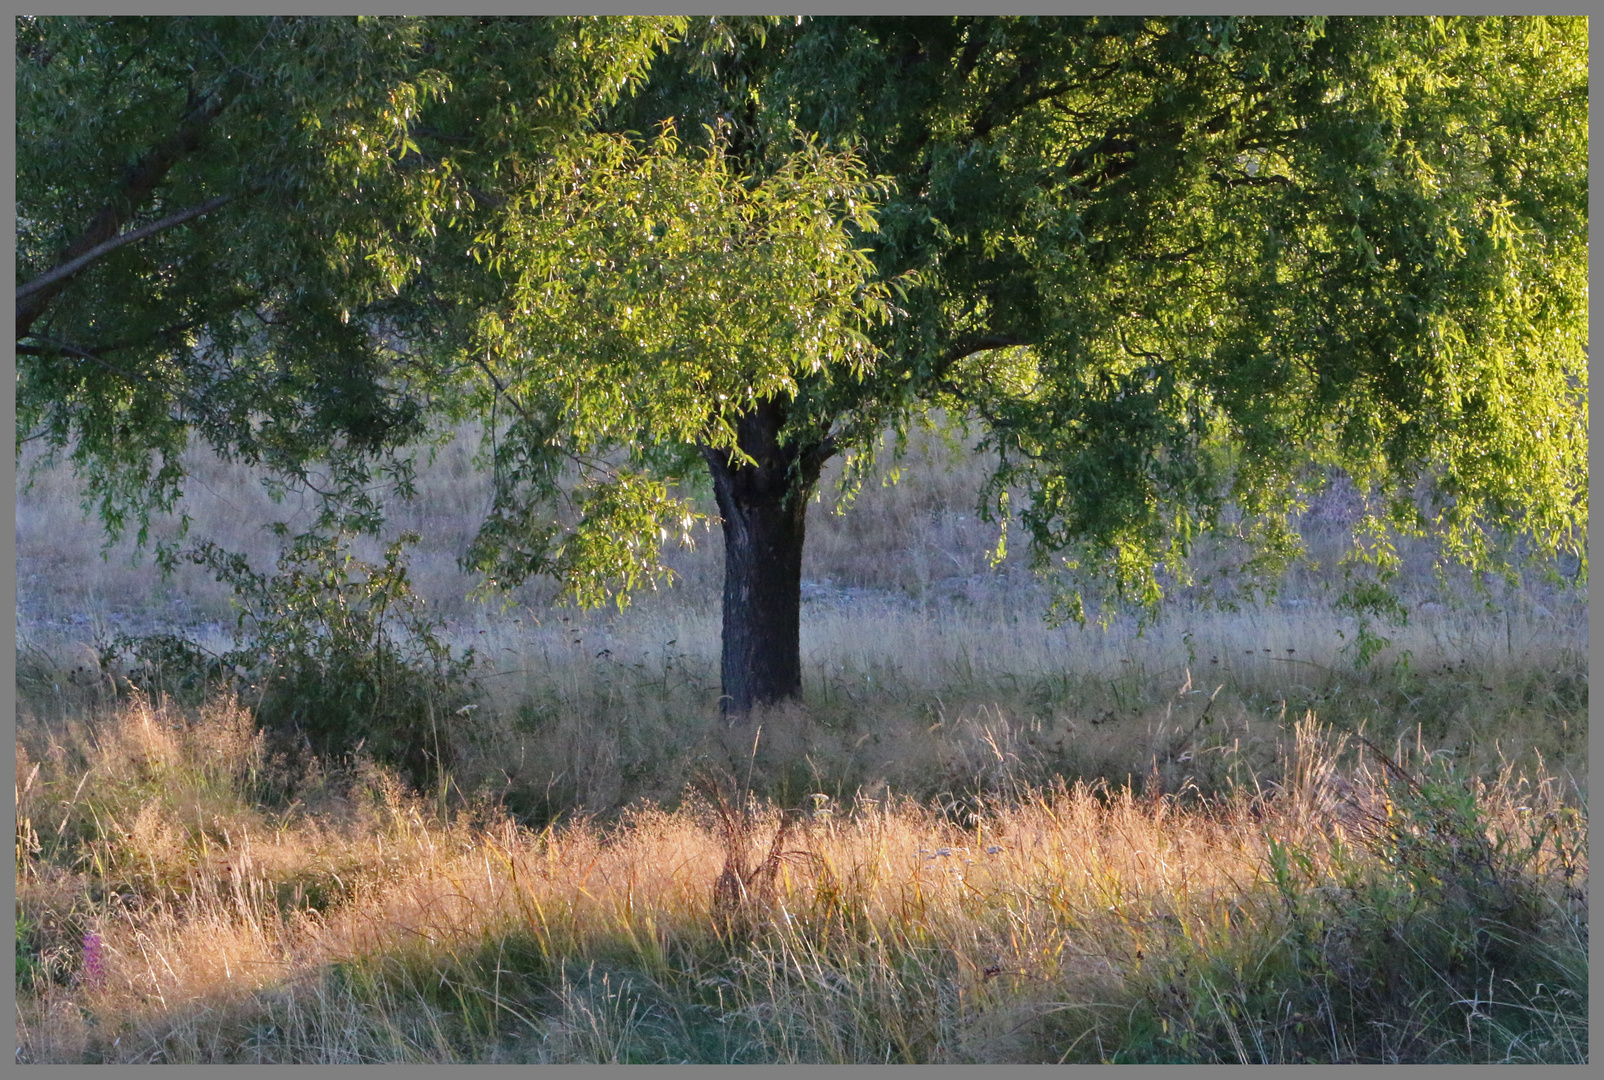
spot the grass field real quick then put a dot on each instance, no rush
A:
(977, 839)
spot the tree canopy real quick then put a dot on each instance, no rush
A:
(1180, 270)
(227, 225)
(1230, 249)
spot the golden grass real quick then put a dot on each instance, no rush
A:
(1003, 842)
(1025, 931)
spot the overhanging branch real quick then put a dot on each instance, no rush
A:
(72, 266)
(138, 182)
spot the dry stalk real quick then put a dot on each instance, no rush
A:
(744, 892)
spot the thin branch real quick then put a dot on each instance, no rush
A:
(186, 399)
(165, 334)
(996, 111)
(1244, 180)
(1109, 146)
(417, 159)
(66, 349)
(502, 390)
(137, 183)
(72, 266)
(1000, 115)
(1142, 353)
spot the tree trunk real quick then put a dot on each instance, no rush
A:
(764, 507)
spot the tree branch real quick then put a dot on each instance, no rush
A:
(980, 344)
(72, 266)
(1245, 180)
(66, 349)
(502, 390)
(137, 184)
(186, 398)
(999, 114)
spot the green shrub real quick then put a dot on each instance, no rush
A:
(343, 656)
(167, 665)
(1432, 937)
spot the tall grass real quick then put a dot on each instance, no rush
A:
(911, 640)
(975, 839)
(1369, 907)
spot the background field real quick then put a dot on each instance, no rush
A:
(1193, 849)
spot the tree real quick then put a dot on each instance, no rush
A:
(348, 191)
(1179, 269)
(662, 306)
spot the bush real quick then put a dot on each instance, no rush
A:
(339, 653)
(1434, 936)
(346, 656)
(167, 665)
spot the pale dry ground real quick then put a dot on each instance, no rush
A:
(889, 932)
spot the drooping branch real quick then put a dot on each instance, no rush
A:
(943, 382)
(939, 380)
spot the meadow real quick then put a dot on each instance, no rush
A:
(1215, 838)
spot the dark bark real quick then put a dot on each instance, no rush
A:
(764, 510)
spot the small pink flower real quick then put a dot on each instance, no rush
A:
(94, 961)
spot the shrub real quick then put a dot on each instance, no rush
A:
(1432, 936)
(340, 652)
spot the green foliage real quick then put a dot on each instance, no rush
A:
(1439, 932)
(289, 325)
(27, 959)
(168, 665)
(653, 296)
(344, 656)
(339, 653)
(1368, 572)
(1222, 256)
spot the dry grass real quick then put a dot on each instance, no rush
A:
(1002, 842)
(1076, 922)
